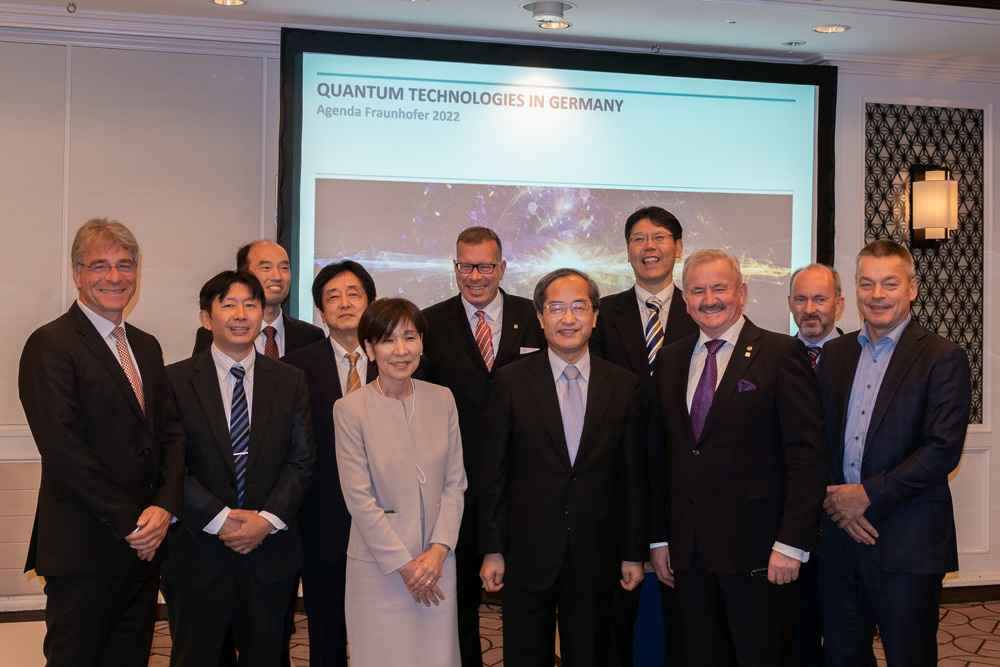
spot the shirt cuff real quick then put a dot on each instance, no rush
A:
(275, 521)
(658, 544)
(215, 525)
(791, 552)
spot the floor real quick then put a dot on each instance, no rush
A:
(969, 636)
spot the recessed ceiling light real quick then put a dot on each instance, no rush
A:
(831, 29)
(230, 3)
(796, 42)
(549, 15)
(732, 21)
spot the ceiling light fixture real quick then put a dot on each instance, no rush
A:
(831, 29)
(797, 42)
(549, 15)
(230, 3)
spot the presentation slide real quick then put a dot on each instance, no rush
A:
(399, 155)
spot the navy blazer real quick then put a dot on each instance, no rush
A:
(758, 472)
(324, 521)
(103, 460)
(298, 334)
(914, 441)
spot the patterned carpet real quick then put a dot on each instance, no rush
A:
(969, 636)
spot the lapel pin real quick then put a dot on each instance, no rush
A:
(749, 347)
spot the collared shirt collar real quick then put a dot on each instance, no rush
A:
(865, 338)
(830, 336)
(340, 352)
(224, 363)
(559, 365)
(492, 310)
(278, 324)
(103, 325)
(731, 335)
(665, 295)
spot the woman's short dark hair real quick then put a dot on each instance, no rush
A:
(381, 318)
(219, 285)
(331, 271)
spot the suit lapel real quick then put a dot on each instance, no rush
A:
(510, 334)
(680, 377)
(543, 388)
(263, 398)
(326, 365)
(461, 332)
(99, 347)
(146, 361)
(907, 350)
(598, 397)
(678, 321)
(844, 381)
(744, 353)
(628, 324)
(205, 380)
(291, 334)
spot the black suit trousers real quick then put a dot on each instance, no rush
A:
(103, 619)
(323, 586)
(468, 562)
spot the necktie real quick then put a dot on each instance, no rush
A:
(271, 344)
(813, 351)
(573, 411)
(353, 379)
(239, 430)
(128, 366)
(705, 390)
(654, 330)
(484, 339)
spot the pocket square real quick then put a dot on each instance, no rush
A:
(746, 385)
(529, 350)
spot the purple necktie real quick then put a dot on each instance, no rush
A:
(705, 390)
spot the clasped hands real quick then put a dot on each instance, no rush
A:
(244, 530)
(846, 505)
(152, 528)
(422, 573)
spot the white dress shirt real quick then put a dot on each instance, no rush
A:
(493, 311)
(104, 327)
(559, 365)
(344, 365)
(665, 296)
(279, 335)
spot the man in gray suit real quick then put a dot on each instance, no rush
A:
(250, 457)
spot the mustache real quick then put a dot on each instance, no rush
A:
(713, 308)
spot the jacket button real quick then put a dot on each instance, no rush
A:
(150, 485)
(146, 450)
(573, 478)
(696, 452)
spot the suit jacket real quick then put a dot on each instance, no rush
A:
(620, 338)
(534, 500)
(324, 521)
(757, 474)
(454, 361)
(914, 441)
(279, 467)
(403, 479)
(298, 334)
(103, 461)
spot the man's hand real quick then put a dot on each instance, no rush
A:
(631, 575)
(660, 558)
(846, 505)
(153, 524)
(252, 531)
(782, 569)
(492, 572)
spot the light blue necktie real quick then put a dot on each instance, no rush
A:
(573, 411)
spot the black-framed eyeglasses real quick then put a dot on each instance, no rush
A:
(101, 268)
(486, 268)
(559, 308)
(659, 238)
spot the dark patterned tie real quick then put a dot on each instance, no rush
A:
(270, 342)
(654, 330)
(813, 351)
(126, 361)
(705, 390)
(239, 430)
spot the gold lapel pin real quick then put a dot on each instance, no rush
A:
(749, 347)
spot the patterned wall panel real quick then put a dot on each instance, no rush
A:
(950, 297)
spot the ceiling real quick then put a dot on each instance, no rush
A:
(889, 31)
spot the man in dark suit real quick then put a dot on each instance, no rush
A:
(816, 302)
(738, 476)
(632, 327)
(96, 398)
(279, 334)
(333, 368)
(565, 498)
(469, 337)
(250, 458)
(896, 398)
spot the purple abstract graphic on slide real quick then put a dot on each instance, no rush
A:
(404, 234)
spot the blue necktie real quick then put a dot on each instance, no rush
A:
(705, 391)
(654, 331)
(573, 411)
(239, 430)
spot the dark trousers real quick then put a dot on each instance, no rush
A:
(857, 595)
(731, 619)
(529, 623)
(103, 619)
(469, 586)
(806, 648)
(323, 594)
(200, 617)
(624, 611)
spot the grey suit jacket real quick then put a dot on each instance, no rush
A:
(279, 467)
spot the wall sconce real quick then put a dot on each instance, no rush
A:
(933, 205)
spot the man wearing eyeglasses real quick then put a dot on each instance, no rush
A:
(633, 326)
(94, 392)
(565, 497)
(469, 337)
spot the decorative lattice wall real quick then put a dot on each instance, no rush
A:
(950, 297)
